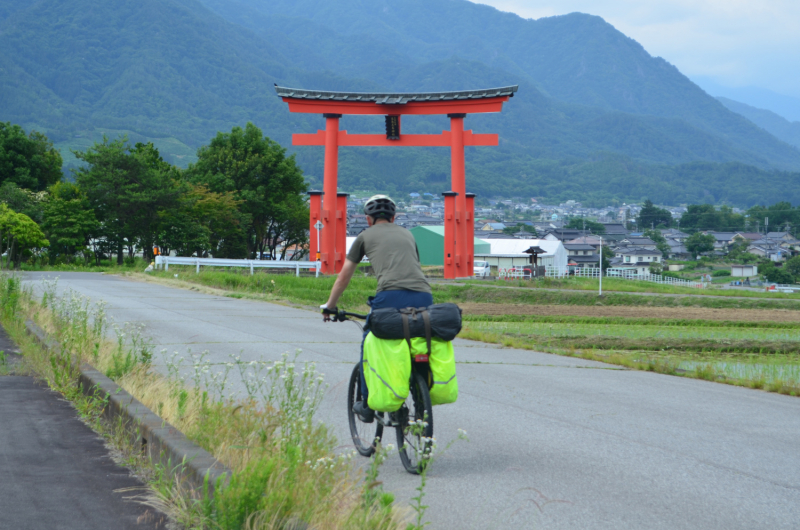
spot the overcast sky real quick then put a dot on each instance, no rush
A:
(734, 42)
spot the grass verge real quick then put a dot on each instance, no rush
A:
(285, 471)
(310, 292)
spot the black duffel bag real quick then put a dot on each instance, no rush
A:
(444, 321)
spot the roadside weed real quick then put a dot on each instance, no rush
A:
(285, 468)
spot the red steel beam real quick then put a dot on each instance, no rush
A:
(412, 107)
(406, 140)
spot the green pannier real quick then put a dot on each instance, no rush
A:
(442, 361)
(387, 370)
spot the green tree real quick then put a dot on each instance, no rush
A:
(269, 185)
(128, 188)
(202, 220)
(520, 227)
(69, 222)
(660, 240)
(779, 215)
(19, 236)
(23, 200)
(699, 217)
(792, 266)
(698, 243)
(29, 161)
(607, 255)
(585, 224)
(651, 216)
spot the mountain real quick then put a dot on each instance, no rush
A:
(776, 125)
(787, 107)
(576, 58)
(593, 106)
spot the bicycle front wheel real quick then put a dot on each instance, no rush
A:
(414, 441)
(364, 434)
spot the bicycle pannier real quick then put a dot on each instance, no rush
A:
(444, 321)
(387, 370)
(442, 361)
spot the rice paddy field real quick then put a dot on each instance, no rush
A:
(760, 354)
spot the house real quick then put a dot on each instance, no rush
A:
(615, 232)
(677, 250)
(674, 233)
(786, 236)
(747, 236)
(636, 242)
(769, 249)
(564, 234)
(582, 255)
(491, 227)
(595, 241)
(637, 258)
(722, 240)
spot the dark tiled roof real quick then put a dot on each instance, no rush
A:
(394, 98)
(578, 246)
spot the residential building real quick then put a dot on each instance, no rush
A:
(637, 242)
(582, 255)
(638, 258)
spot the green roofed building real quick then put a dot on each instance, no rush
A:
(430, 242)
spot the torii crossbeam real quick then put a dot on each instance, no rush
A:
(331, 210)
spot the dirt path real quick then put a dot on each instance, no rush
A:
(699, 313)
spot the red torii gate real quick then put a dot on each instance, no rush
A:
(331, 208)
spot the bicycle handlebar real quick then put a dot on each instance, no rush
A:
(339, 315)
(342, 315)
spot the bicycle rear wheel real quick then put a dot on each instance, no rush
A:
(413, 446)
(364, 434)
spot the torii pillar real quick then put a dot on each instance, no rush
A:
(459, 205)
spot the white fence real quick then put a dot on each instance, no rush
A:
(166, 261)
(586, 272)
(630, 274)
(520, 273)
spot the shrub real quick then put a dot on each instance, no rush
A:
(721, 272)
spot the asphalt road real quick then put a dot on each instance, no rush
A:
(555, 442)
(55, 472)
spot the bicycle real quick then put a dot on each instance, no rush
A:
(412, 444)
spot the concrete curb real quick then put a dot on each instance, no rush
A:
(160, 441)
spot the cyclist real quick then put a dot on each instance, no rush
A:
(394, 257)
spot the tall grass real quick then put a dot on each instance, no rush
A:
(285, 470)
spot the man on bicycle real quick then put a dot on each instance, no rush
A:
(394, 257)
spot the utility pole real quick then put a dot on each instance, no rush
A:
(600, 292)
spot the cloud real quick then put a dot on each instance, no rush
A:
(736, 42)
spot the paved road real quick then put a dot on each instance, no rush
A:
(55, 472)
(556, 443)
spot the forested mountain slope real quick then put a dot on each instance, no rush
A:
(593, 106)
(778, 126)
(576, 58)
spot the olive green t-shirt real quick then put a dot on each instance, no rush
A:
(392, 251)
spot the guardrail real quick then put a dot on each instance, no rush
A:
(165, 261)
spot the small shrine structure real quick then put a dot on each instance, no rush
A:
(329, 207)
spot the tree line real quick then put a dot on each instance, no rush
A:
(778, 217)
(243, 198)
